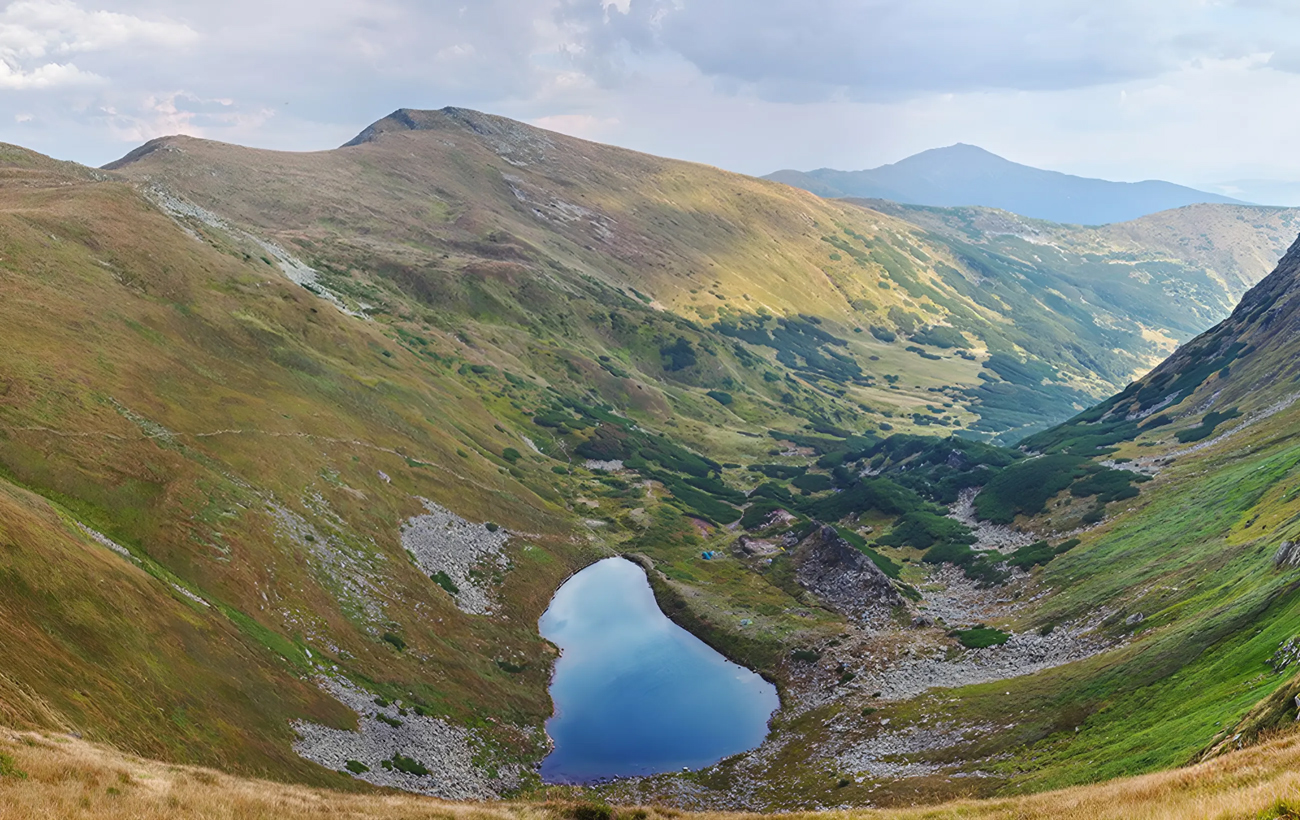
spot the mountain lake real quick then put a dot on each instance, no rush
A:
(635, 694)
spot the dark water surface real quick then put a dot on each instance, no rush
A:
(636, 694)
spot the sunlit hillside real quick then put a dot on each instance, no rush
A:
(295, 449)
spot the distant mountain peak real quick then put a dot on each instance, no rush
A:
(963, 174)
(961, 148)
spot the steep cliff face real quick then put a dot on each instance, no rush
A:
(1234, 376)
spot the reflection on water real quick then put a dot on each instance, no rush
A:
(636, 694)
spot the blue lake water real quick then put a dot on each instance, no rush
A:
(636, 694)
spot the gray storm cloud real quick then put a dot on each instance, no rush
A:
(886, 49)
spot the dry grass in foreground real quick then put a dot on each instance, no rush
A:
(60, 777)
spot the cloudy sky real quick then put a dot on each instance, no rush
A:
(1196, 91)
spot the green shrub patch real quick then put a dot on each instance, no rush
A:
(886, 565)
(980, 637)
(1206, 428)
(758, 513)
(812, 482)
(395, 641)
(1025, 487)
(781, 472)
(923, 529)
(443, 580)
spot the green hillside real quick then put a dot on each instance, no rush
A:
(466, 215)
(298, 429)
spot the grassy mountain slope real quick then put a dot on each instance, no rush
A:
(1198, 554)
(461, 212)
(101, 646)
(247, 442)
(962, 175)
(1193, 579)
(249, 370)
(1206, 255)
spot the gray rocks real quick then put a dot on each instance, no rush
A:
(1024, 654)
(748, 547)
(1286, 655)
(841, 576)
(987, 536)
(1287, 555)
(887, 754)
(957, 601)
(469, 554)
(105, 541)
(447, 751)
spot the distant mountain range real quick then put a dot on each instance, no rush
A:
(962, 175)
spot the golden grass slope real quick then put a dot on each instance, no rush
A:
(91, 642)
(43, 775)
(173, 396)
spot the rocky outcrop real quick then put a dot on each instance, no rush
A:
(1287, 555)
(1287, 655)
(440, 759)
(460, 556)
(842, 577)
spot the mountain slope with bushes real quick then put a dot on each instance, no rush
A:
(466, 214)
(331, 428)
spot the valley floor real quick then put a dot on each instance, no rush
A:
(43, 775)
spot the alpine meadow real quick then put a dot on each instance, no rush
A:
(920, 505)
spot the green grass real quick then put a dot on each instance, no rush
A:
(443, 580)
(980, 637)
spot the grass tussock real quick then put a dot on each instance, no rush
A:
(71, 778)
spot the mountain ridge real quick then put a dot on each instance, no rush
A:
(545, 175)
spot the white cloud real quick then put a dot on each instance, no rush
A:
(33, 30)
(457, 51)
(179, 112)
(50, 75)
(803, 50)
